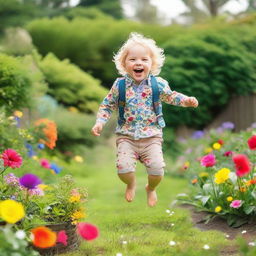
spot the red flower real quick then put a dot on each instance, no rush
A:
(143, 94)
(208, 160)
(11, 158)
(252, 142)
(45, 163)
(242, 165)
(221, 142)
(130, 118)
(228, 153)
(87, 231)
(43, 237)
(62, 237)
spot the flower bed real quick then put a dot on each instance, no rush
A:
(222, 171)
(46, 213)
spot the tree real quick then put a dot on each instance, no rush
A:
(110, 7)
(212, 9)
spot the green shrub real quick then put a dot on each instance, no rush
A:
(15, 83)
(71, 86)
(210, 66)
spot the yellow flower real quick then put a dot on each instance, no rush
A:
(208, 150)
(35, 157)
(76, 216)
(222, 175)
(11, 211)
(74, 198)
(43, 186)
(218, 209)
(203, 174)
(78, 159)
(18, 113)
(216, 146)
(10, 118)
(229, 198)
(73, 109)
(243, 189)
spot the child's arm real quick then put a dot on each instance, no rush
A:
(174, 98)
(108, 105)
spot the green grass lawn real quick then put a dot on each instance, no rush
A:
(134, 228)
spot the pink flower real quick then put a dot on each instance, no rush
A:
(208, 160)
(252, 142)
(228, 153)
(236, 203)
(87, 231)
(45, 163)
(242, 165)
(62, 237)
(11, 158)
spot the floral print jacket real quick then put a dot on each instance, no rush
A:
(141, 120)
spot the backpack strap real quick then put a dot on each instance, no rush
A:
(121, 100)
(157, 106)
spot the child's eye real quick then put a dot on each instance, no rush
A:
(132, 59)
(145, 59)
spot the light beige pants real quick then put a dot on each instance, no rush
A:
(148, 151)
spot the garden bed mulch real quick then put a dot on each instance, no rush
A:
(220, 224)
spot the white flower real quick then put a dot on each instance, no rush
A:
(119, 254)
(168, 211)
(244, 231)
(227, 236)
(20, 234)
(206, 247)
(172, 243)
(172, 212)
(252, 243)
(124, 242)
(172, 224)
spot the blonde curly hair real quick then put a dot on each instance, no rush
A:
(157, 54)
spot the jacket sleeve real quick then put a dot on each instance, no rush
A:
(108, 105)
(168, 96)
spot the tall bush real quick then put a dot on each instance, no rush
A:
(70, 86)
(15, 83)
(211, 66)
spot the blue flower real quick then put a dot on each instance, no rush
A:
(228, 126)
(197, 134)
(56, 168)
(41, 146)
(31, 152)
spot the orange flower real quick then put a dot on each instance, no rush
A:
(50, 132)
(43, 237)
(242, 189)
(194, 181)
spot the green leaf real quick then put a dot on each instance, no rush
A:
(249, 209)
(205, 199)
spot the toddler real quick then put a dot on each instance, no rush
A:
(137, 96)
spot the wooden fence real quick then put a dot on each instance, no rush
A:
(241, 111)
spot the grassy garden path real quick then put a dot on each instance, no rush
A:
(133, 229)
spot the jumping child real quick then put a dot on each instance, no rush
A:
(137, 96)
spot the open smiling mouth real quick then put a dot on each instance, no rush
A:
(138, 71)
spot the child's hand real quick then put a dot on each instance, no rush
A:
(191, 102)
(96, 129)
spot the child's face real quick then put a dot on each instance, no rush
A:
(138, 62)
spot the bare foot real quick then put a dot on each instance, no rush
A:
(130, 192)
(152, 197)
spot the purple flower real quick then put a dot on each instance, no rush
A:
(228, 126)
(253, 125)
(11, 179)
(30, 181)
(36, 192)
(197, 134)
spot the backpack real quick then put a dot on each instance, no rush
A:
(155, 101)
